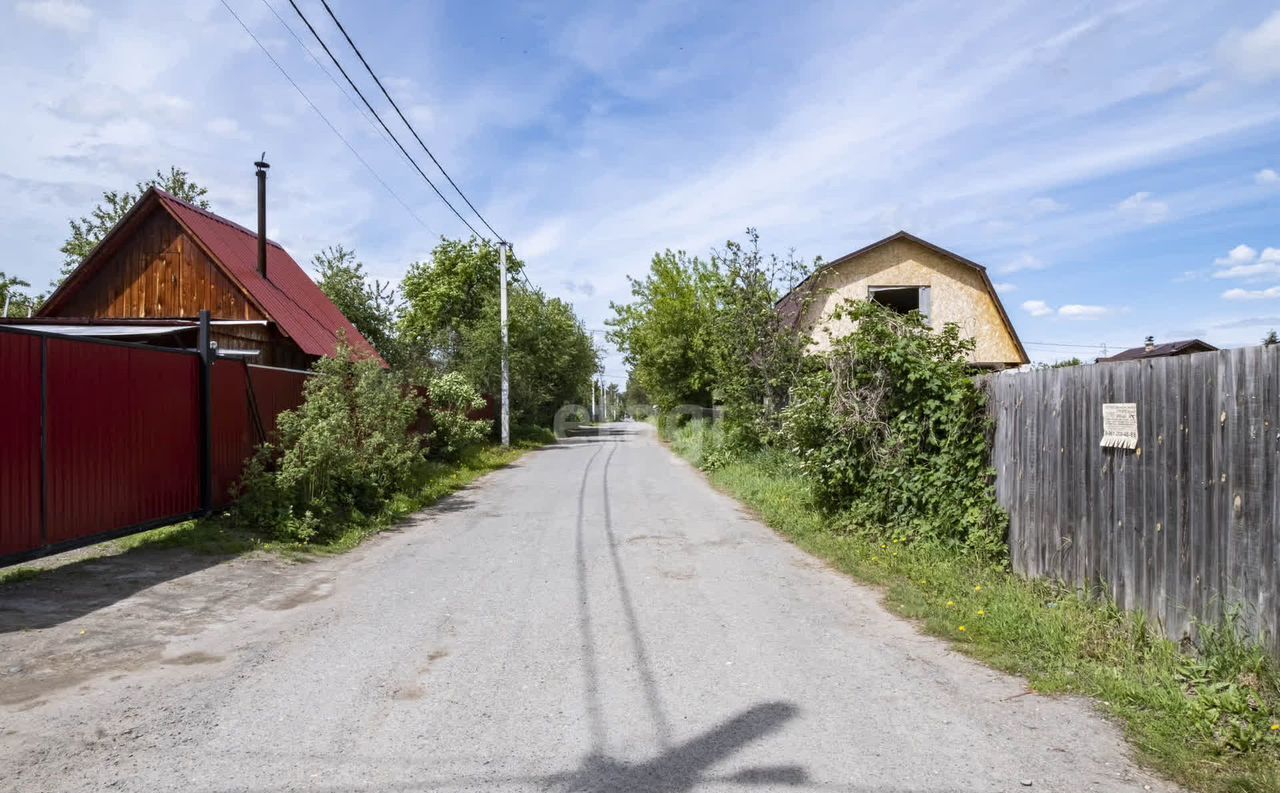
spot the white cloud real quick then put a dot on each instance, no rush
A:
(1249, 271)
(1267, 176)
(224, 127)
(64, 15)
(1142, 207)
(583, 287)
(1254, 55)
(1044, 205)
(1024, 262)
(1037, 308)
(422, 116)
(1078, 311)
(1246, 263)
(1252, 294)
(1004, 287)
(1241, 254)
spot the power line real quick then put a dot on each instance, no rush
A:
(414, 132)
(326, 120)
(360, 94)
(315, 59)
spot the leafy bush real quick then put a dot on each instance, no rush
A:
(891, 429)
(451, 398)
(757, 349)
(339, 456)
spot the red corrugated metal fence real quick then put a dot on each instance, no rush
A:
(246, 401)
(101, 438)
(20, 443)
(122, 437)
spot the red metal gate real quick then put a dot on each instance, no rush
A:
(102, 438)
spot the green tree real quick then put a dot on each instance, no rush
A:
(1270, 339)
(756, 350)
(449, 292)
(89, 230)
(450, 320)
(551, 356)
(14, 302)
(613, 398)
(371, 307)
(664, 333)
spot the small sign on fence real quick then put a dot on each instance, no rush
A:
(1120, 425)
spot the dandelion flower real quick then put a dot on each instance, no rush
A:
(1275, 727)
(961, 629)
(978, 588)
(951, 604)
(982, 613)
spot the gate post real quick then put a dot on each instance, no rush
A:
(205, 349)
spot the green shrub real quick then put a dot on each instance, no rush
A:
(892, 431)
(338, 457)
(451, 399)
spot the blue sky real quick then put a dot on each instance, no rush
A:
(1116, 166)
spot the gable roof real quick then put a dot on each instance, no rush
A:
(1167, 349)
(287, 296)
(908, 237)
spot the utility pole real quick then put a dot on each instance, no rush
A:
(593, 399)
(506, 364)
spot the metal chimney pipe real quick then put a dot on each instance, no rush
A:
(262, 214)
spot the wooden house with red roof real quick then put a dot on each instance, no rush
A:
(166, 260)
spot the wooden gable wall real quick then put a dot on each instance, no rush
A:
(157, 272)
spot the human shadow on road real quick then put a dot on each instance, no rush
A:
(676, 767)
(684, 766)
(64, 593)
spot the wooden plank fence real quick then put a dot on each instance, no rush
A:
(1184, 526)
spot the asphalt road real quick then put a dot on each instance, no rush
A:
(595, 618)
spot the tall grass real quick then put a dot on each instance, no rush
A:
(1208, 717)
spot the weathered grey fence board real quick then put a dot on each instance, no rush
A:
(1182, 528)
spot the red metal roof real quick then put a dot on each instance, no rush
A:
(287, 295)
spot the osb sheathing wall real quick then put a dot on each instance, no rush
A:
(957, 294)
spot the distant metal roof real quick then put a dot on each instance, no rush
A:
(1168, 348)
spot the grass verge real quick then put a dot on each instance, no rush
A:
(1208, 718)
(218, 534)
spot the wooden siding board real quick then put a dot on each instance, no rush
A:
(158, 273)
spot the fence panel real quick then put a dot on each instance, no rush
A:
(247, 400)
(232, 436)
(20, 444)
(1182, 528)
(275, 391)
(122, 437)
(99, 438)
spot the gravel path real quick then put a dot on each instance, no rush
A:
(594, 618)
